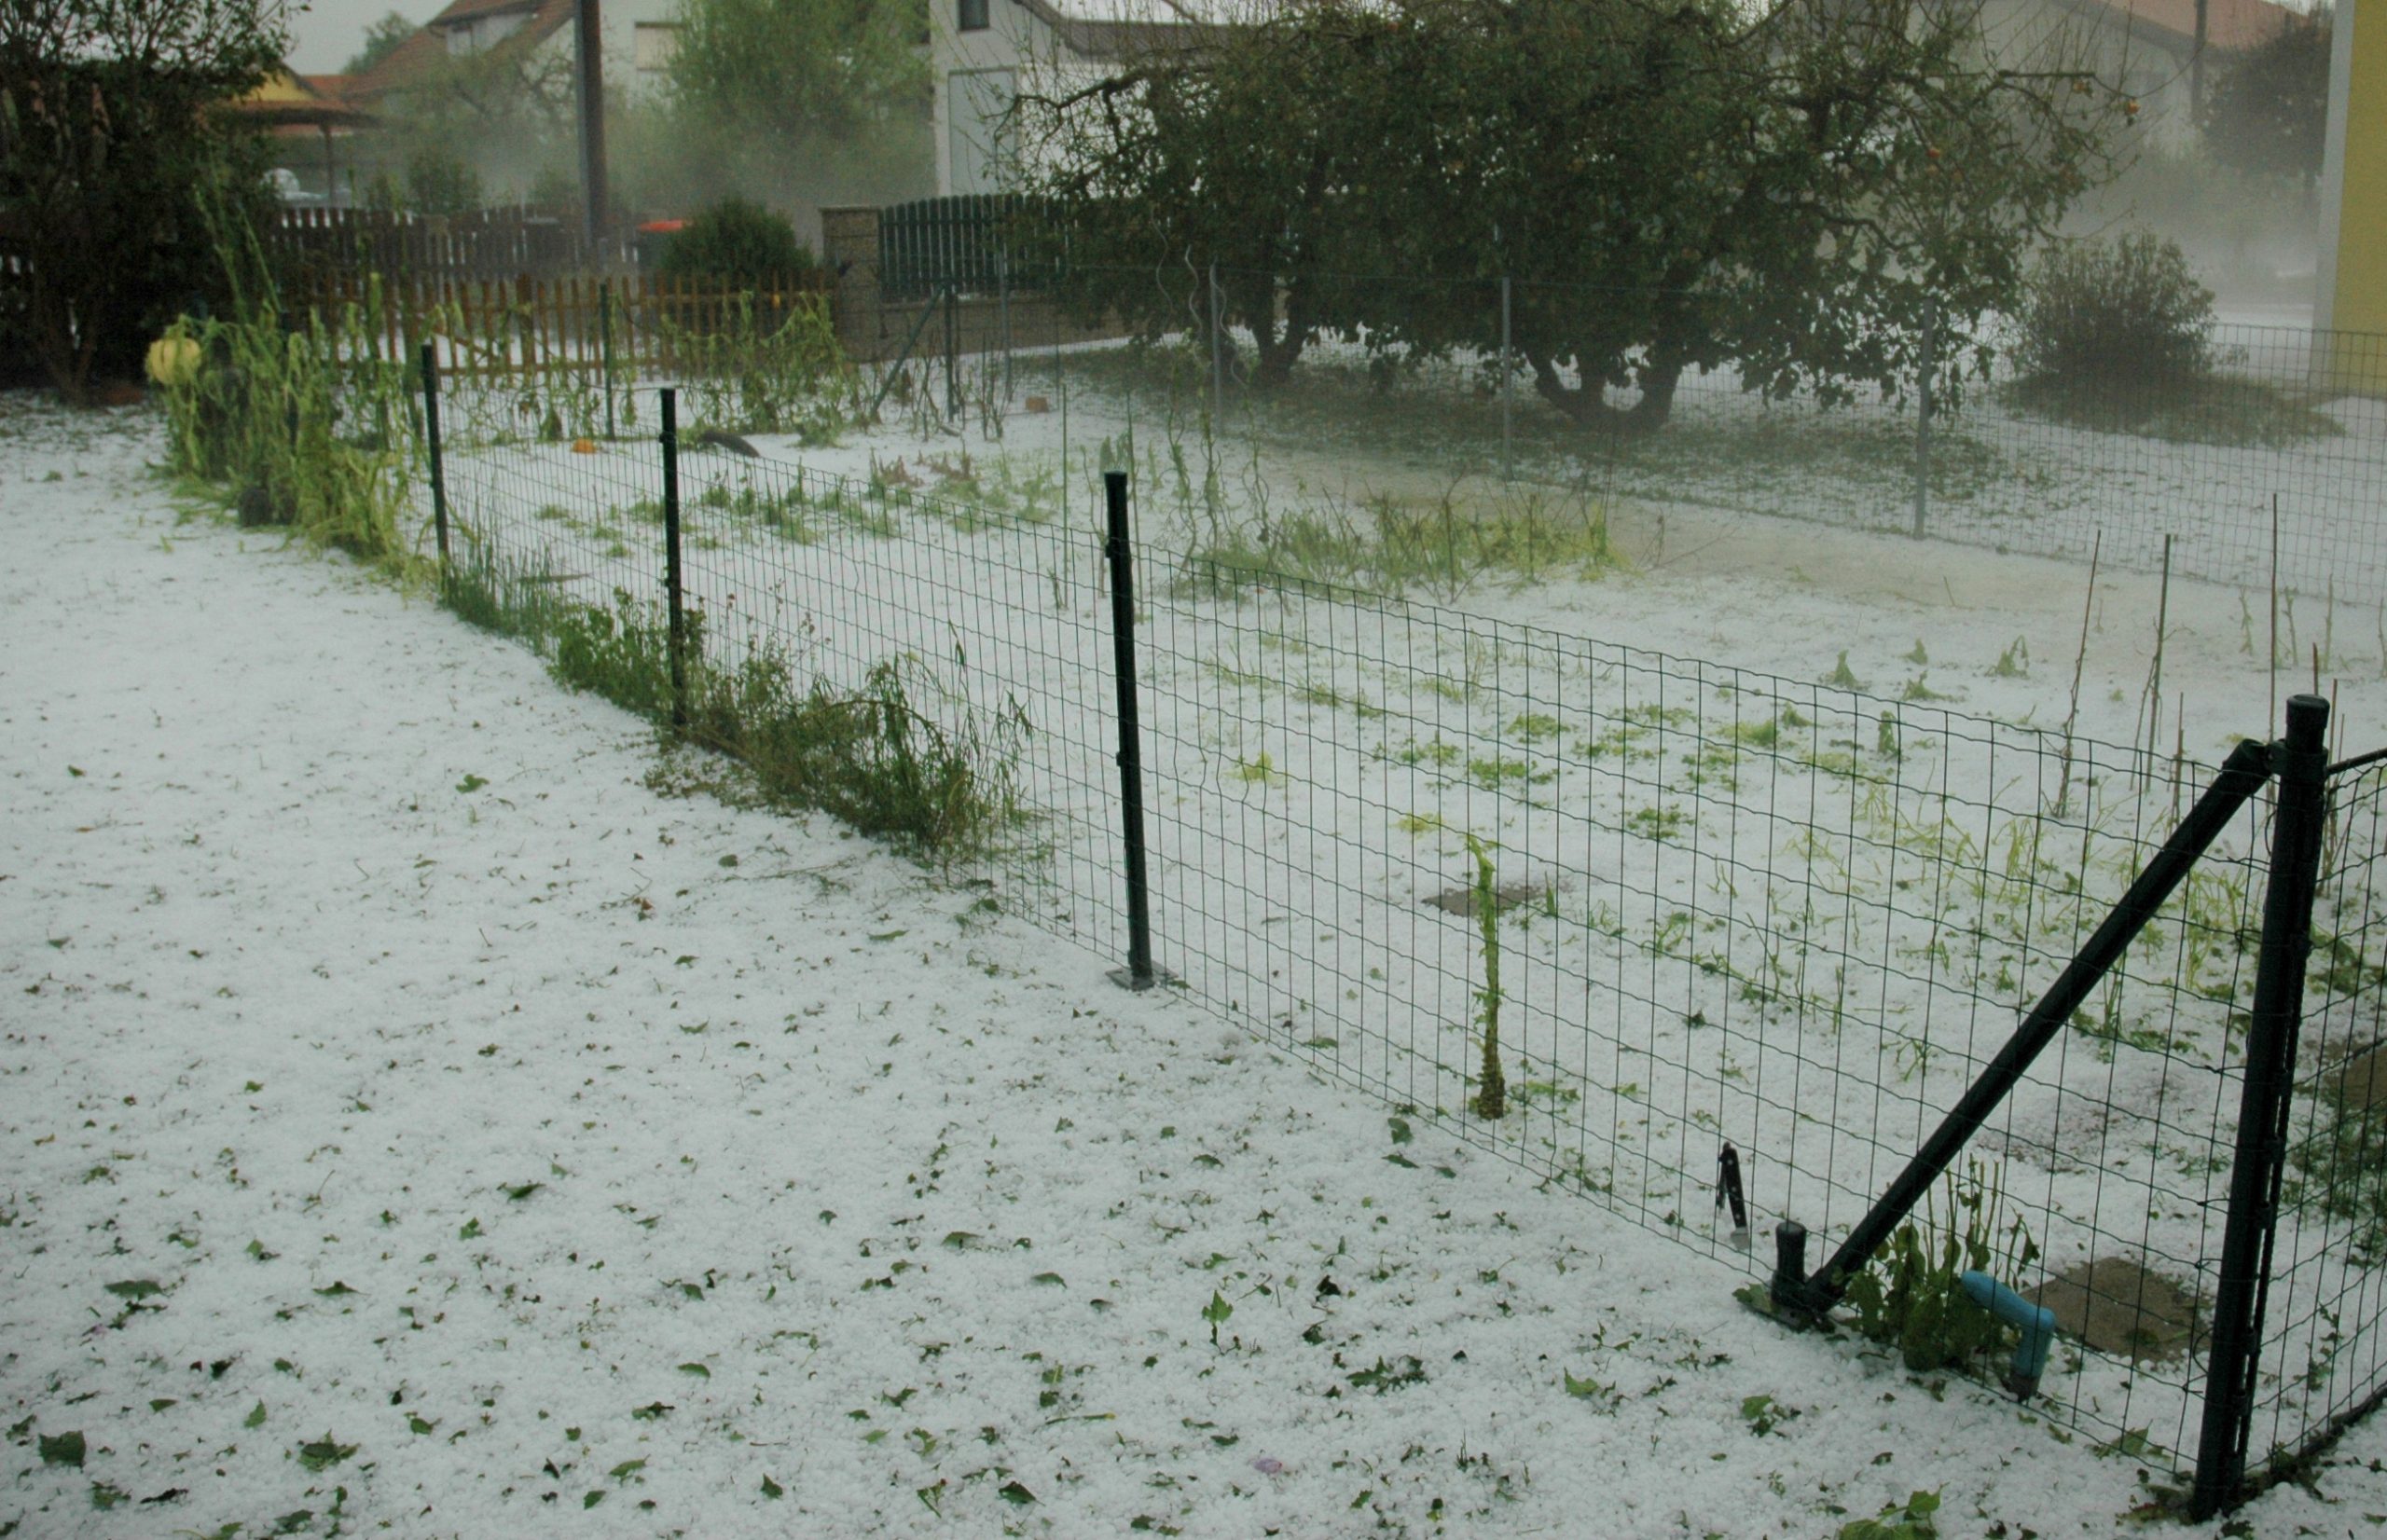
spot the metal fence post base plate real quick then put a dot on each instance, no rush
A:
(1128, 979)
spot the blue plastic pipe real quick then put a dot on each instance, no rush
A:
(2037, 1324)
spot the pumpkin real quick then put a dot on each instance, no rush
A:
(174, 361)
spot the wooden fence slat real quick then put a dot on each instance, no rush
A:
(526, 326)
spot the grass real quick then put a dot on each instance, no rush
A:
(1519, 534)
(2340, 1166)
(938, 782)
(2235, 413)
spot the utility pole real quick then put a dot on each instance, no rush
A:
(591, 79)
(2196, 69)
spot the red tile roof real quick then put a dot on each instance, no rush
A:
(422, 53)
(2227, 23)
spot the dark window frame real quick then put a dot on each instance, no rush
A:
(970, 14)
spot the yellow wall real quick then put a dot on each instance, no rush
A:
(2359, 302)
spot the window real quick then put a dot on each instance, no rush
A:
(653, 44)
(971, 16)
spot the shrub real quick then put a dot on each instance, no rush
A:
(737, 240)
(2122, 314)
(441, 183)
(2117, 336)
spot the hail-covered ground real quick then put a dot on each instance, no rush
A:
(416, 1119)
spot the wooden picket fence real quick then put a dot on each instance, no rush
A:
(526, 327)
(484, 243)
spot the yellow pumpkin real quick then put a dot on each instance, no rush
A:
(174, 361)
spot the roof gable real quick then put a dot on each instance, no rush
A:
(421, 55)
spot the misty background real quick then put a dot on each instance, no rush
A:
(800, 103)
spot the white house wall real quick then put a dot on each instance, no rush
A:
(1017, 40)
(1011, 40)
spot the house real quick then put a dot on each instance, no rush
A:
(639, 39)
(983, 53)
(2148, 48)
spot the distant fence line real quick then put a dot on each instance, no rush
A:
(482, 244)
(527, 326)
(2288, 418)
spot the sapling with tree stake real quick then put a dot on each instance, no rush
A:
(1492, 1092)
(2153, 702)
(2271, 711)
(2079, 663)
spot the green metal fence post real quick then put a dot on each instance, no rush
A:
(431, 438)
(1217, 370)
(1117, 548)
(677, 635)
(1508, 358)
(1922, 413)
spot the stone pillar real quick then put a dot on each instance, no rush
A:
(850, 250)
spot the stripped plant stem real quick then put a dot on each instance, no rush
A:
(1492, 1087)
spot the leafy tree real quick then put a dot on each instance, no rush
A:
(798, 70)
(2267, 111)
(1248, 152)
(800, 101)
(381, 39)
(456, 127)
(1798, 193)
(110, 158)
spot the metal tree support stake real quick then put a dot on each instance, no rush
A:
(431, 437)
(671, 556)
(1218, 371)
(2260, 1156)
(1139, 973)
(1507, 364)
(952, 351)
(1922, 414)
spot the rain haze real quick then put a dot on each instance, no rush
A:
(327, 33)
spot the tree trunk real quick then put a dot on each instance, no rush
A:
(65, 358)
(1587, 407)
(1278, 347)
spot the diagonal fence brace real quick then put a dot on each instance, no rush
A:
(2243, 774)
